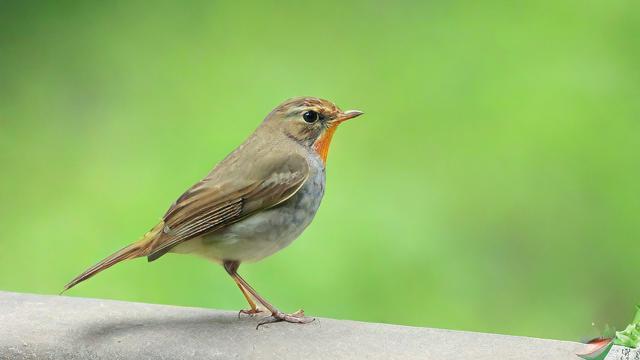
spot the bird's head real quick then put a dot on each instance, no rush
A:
(310, 121)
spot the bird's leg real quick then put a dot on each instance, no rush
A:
(276, 315)
(254, 308)
(232, 267)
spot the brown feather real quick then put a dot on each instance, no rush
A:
(204, 209)
(132, 251)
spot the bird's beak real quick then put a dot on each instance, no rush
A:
(348, 115)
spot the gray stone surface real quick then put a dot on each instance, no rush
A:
(61, 327)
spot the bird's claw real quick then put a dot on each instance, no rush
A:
(250, 312)
(277, 316)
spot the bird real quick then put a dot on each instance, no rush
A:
(254, 202)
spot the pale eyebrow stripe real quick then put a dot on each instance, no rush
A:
(296, 109)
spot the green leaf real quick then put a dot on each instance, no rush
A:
(629, 337)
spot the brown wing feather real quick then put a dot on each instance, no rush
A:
(205, 208)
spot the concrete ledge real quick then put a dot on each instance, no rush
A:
(60, 327)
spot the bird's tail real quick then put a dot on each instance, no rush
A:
(137, 249)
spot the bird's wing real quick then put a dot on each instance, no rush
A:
(213, 204)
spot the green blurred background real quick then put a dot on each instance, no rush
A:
(491, 186)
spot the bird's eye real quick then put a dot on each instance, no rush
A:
(311, 116)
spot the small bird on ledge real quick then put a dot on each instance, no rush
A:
(253, 203)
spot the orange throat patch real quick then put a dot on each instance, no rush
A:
(322, 144)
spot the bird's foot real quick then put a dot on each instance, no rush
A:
(250, 312)
(277, 316)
